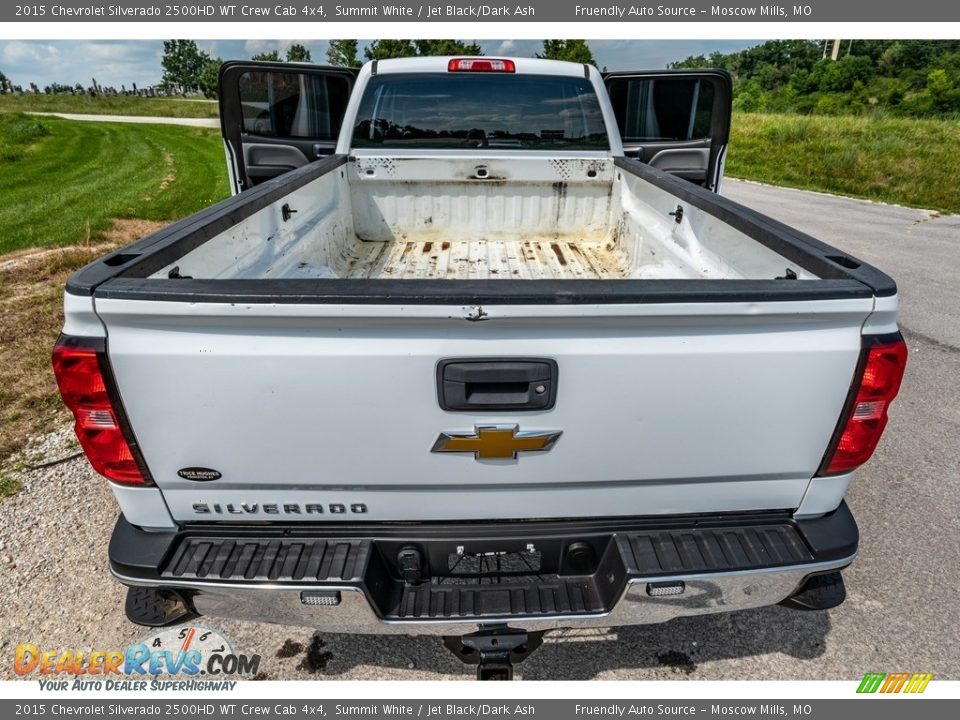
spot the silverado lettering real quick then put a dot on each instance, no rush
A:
(278, 508)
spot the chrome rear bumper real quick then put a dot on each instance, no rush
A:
(703, 594)
(642, 573)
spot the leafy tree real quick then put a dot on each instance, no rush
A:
(951, 63)
(182, 64)
(343, 53)
(751, 98)
(295, 53)
(909, 54)
(446, 47)
(872, 49)
(382, 49)
(571, 50)
(840, 75)
(272, 56)
(210, 77)
(940, 88)
(298, 53)
(5, 84)
(803, 82)
(786, 55)
(692, 62)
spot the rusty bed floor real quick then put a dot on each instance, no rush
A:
(529, 259)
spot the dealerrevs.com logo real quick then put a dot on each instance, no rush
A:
(181, 658)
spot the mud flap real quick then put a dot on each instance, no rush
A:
(819, 592)
(157, 607)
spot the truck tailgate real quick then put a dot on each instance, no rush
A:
(329, 412)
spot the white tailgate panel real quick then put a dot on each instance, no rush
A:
(663, 408)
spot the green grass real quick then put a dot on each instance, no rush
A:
(17, 133)
(64, 180)
(896, 160)
(120, 105)
(8, 486)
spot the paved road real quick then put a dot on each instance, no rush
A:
(920, 248)
(903, 605)
(138, 119)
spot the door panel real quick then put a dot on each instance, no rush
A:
(688, 163)
(265, 161)
(276, 117)
(678, 121)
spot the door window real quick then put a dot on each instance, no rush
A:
(662, 109)
(293, 105)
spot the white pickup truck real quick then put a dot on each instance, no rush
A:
(477, 350)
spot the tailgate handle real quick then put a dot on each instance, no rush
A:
(497, 384)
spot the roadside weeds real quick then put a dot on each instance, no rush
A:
(31, 315)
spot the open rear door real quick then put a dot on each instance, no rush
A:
(676, 120)
(276, 117)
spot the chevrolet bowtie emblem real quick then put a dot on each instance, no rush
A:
(495, 441)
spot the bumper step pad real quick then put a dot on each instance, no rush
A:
(717, 550)
(575, 596)
(552, 590)
(274, 560)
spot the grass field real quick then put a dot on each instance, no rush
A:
(75, 190)
(120, 105)
(62, 182)
(895, 160)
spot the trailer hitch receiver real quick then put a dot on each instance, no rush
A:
(494, 649)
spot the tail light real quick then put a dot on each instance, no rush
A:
(481, 65)
(880, 372)
(79, 366)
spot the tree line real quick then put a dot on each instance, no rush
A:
(902, 77)
(188, 70)
(94, 89)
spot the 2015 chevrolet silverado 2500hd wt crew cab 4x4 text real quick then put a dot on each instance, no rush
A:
(477, 343)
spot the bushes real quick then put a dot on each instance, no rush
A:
(918, 78)
(842, 75)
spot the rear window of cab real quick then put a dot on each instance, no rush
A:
(480, 110)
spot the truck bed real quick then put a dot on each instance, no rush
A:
(511, 218)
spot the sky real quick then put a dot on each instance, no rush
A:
(124, 62)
